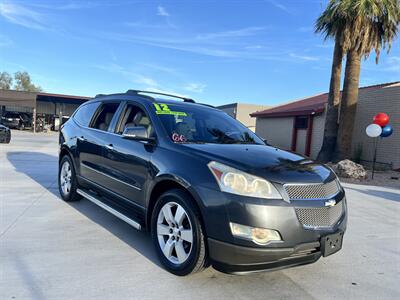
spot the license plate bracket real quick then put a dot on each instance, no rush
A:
(331, 243)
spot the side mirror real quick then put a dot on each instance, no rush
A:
(138, 133)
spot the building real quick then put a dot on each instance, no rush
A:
(44, 108)
(242, 111)
(299, 125)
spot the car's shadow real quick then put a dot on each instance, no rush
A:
(43, 169)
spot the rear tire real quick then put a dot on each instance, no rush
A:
(177, 233)
(67, 183)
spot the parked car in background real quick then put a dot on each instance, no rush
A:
(208, 189)
(16, 120)
(5, 134)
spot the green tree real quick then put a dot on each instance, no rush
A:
(5, 81)
(374, 25)
(358, 27)
(333, 24)
(23, 82)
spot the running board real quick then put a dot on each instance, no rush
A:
(109, 209)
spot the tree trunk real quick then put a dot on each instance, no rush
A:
(348, 105)
(331, 119)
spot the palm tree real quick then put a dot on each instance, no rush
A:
(374, 25)
(333, 24)
(358, 27)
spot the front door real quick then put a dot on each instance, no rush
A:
(127, 161)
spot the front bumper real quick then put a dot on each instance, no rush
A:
(299, 245)
(10, 124)
(229, 258)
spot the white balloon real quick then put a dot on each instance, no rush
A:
(373, 130)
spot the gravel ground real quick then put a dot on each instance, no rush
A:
(380, 179)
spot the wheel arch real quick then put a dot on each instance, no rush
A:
(166, 183)
(66, 151)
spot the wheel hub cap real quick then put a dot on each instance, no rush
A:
(65, 178)
(174, 233)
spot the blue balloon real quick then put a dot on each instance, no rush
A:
(386, 131)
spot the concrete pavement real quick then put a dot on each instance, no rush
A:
(50, 249)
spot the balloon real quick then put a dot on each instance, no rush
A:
(387, 131)
(373, 130)
(381, 119)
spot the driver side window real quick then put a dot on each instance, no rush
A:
(134, 116)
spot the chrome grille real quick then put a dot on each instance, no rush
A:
(326, 216)
(312, 191)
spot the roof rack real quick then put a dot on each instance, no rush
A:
(159, 93)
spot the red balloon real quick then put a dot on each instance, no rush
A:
(381, 119)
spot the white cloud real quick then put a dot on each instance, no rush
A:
(195, 87)
(393, 64)
(305, 29)
(21, 15)
(140, 79)
(161, 11)
(279, 5)
(304, 57)
(248, 31)
(131, 75)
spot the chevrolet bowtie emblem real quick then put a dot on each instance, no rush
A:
(330, 203)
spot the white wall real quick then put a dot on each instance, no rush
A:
(277, 131)
(385, 100)
(301, 141)
(317, 135)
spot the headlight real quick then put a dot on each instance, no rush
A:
(260, 236)
(234, 181)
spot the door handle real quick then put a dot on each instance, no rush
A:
(110, 146)
(81, 138)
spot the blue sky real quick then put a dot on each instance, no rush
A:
(216, 51)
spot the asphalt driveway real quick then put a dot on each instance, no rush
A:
(50, 249)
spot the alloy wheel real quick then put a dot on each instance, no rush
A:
(66, 178)
(174, 233)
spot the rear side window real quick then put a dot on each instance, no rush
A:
(105, 116)
(85, 113)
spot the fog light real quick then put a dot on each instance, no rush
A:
(260, 236)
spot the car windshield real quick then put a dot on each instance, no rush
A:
(194, 124)
(12, 115)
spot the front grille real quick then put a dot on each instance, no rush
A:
(312, 191)
(326, 216)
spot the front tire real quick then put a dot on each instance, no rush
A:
(177, 233)
(67, 184)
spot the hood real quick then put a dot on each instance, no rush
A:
(271, 163)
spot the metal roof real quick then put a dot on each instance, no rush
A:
(307, 106)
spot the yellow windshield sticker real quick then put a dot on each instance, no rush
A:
(163, 109)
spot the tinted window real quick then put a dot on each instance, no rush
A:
(104, 117)
(134, 116)
(191, 124)
(85, 113)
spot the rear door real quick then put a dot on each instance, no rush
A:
(93, 142)
(127, 161)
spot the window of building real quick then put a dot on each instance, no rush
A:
(301, 122)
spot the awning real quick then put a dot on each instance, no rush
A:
(13, 98)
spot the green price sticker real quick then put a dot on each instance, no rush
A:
(163, 109)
